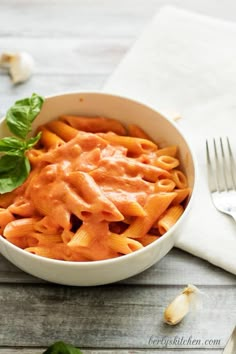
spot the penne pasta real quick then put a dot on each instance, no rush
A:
(169, 218)
(40, 239)
(7, 199)
(22, 207)
(154, 207)
(166, 162)
(179, 178)
(122, 244)
(5, 218)
(83, 237)
(94, 192)
(167, 151)
(164, 185)
(94, 124)
(148, 239)
(134, 145)
(50, 140)
(137, 132)
(19, 227)
(62, 130)
(182, 194)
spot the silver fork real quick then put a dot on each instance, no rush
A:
(222, 175)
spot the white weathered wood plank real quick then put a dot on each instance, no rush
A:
(70, 55)
(46, 85)
(120, 316)
(177, 268)
(85, 40)
(109, 351)
(86, 18)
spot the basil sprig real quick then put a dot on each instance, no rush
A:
(62, 348)
(14, 165)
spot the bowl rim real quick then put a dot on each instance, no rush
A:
(116, 260)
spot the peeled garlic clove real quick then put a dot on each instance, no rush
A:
(181, 305)
(20, 65)
(5, 60)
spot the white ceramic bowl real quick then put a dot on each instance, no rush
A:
(107, 271)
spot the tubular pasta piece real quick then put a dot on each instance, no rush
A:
(122, 244)
(48, 198)
(167, 151)
(50, 140)
(134, 145)
(179, 178)
(34, 155)
(149, 173)
(148, 239)
(164, 185)
(169, 218)
(93, 195)
(154, 207)
(136, 132)
(47, 225)
(39, 239)
(21, 242)
(89, 233)
(67, 236)
(166, 162)
(62, 130)
(83, 237)
(95, 199)
(7, 199)
(76, 205)
(58, 251)
(22, 207)
(182, 194)
(94, 124)
(130, 208)
(20, 227)
(5, 218)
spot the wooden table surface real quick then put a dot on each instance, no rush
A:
(77, 45)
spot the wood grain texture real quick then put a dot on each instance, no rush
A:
(46, 85)
(109, 351)
(76, 45)
(90, 18)
(122, 317)
(69, 55)
(177, 268)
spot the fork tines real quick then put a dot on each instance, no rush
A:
(221, 165)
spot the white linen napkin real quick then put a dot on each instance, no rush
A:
(186, 63)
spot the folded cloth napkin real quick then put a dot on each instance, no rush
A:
(185, 63)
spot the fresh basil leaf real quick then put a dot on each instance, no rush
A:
(13, 172)
(62, 348)
(21, 115)
(12, 146)
(7, 163)
(32, 141)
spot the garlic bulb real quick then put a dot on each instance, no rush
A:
(181, 305)
(19, 65)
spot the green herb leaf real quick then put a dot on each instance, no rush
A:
(13, 172)
(32, 141)
(62, 348)
(14, 165)
(21, 115)
(12, 146)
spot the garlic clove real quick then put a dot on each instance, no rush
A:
(5, 60)
(181, 305)
(20, 65)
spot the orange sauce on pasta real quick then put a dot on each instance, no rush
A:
(83, 196)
